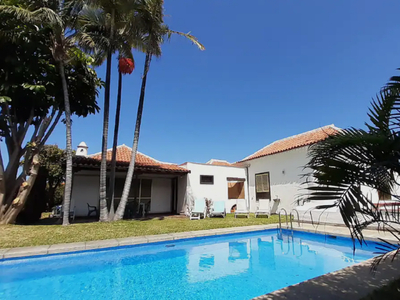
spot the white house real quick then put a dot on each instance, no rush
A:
(157, 186)
(276, 171)
(216, 180)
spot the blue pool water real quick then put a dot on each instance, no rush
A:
(237, 266)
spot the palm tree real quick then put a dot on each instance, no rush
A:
(345, 163)
(102, 31)
(155, 33)
(125, 66)
(57, 17)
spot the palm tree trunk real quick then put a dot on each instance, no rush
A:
(127, 187)
(114, 150)
(103, 166)
(68, 150)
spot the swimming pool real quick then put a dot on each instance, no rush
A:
(235, 266)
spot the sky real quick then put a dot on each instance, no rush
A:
(271, 69)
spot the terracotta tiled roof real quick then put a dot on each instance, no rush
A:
(296, 141)
(124, 153)
(217, 162)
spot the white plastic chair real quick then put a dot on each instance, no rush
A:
(241, 208)
(198, 210)
(263, 208)
(218, 209)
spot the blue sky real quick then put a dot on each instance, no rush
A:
(271, 69)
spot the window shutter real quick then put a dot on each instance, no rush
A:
(265, 183)
(259, 187)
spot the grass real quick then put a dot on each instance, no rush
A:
(33, 235)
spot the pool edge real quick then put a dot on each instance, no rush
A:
(65, 248)
(99, 245)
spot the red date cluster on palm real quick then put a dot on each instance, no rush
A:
(126, 65)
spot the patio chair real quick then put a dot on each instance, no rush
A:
(91, 209)
(198, 210)
(218, 209)
(241, 208)
(71, 212)
(263, 208)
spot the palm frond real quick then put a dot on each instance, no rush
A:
(39, 16)
(353, 159)
(190, 37)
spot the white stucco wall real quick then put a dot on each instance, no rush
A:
(182, 194)
(217, 191)
(85, 189)
(86, 186)
(160, 195)
(285, 171)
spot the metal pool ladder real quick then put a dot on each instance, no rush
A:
(286, 219)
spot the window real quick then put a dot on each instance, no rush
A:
(132, 207)
(263, 190)
(206, 179)
(235, 188)
(384, 196)
(262, 183)
(145, 188)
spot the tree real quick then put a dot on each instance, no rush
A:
(125, 66)
(343, 164)
(48, 184)
(155, 32)
(57, 16)
(31, 97)
(102, 31)
(53, 160)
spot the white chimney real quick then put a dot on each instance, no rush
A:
(82, 149)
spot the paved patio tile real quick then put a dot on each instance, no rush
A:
(199, 233)
(159, 238)
(67, 247)
(182, 235)
(101, 244)
(2, 251)
(26, 251)
(132, 241)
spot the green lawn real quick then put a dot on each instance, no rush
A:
(33, 235)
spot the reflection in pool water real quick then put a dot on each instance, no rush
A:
(239, 266)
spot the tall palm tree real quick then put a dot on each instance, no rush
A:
(125, 66)
(58, 16)
(155, 33)
(345, 163)
(102, 31)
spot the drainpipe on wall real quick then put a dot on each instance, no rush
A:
(248, 186)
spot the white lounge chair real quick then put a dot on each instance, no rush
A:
(198, 209)
(218, 209)
(263, 208)
(241, 208)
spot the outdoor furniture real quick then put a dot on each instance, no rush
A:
(56, 212)
(263, 208)
(241, 208)
(71, 212)
(218, 209)
(198, 210)
(91, 209)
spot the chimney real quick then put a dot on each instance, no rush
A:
(82, 149)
